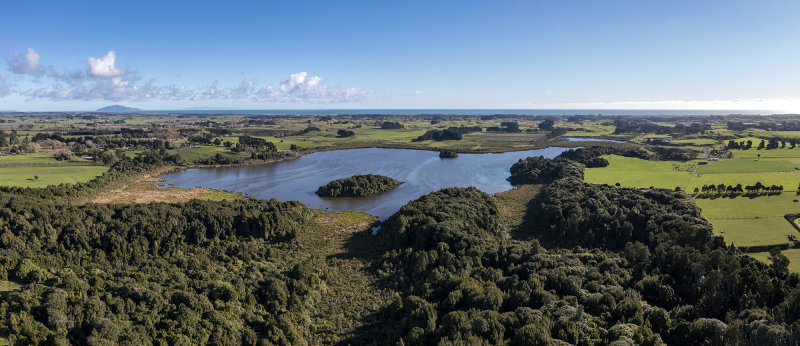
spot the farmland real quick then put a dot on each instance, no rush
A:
(741, 220)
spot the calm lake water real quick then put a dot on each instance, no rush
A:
(421, 171)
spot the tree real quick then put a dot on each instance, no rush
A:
(779, 262)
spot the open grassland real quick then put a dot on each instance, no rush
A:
(204, 151)
(35, 159)
(641, 173)
(792, 254)
(48, 175)
(747, 166)
(752, 221)
(744, 207)
(743, 221)
(669, 174)
(754, 231)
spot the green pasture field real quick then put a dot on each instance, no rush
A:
(778, 134)
(35, 158)
(48, 175)
(792, 254)
(745, 207)
(754, 232)
(746, 166)
(636, 172)
(753, 153)
(742, 220)
(751, 221)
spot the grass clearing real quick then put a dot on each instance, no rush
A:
(751, 221)
(514, 205)
(746, 166)
(741, 220)
(146, 192)
(792, 254)
(744, 207)
(640, 173)
(48, 175)
(754, 231)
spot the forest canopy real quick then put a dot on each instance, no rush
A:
(358, 186)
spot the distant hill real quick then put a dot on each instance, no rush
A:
(118, 109)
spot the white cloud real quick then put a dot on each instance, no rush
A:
(28, 64)
(298, 88)
(105, 66)
(6, 88)
(103, 80)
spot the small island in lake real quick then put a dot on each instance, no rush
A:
(448, 154)
(358, 186)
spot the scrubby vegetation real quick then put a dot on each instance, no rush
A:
(358, 186)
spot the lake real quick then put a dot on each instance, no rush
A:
(421, 171)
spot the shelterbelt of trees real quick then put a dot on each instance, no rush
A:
(593, 264)
(358, 186)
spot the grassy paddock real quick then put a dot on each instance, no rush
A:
(792, 254)
(754, 231)
(48, 175)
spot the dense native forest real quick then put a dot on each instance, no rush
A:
(589, 264)
(358, 186)
(198, 272)
(593, 265)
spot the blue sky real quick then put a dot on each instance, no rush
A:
(405, 54)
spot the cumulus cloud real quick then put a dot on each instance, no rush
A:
(244, 90)
(103, 80)
(105, 66)
(27, 64)
(299, 87)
